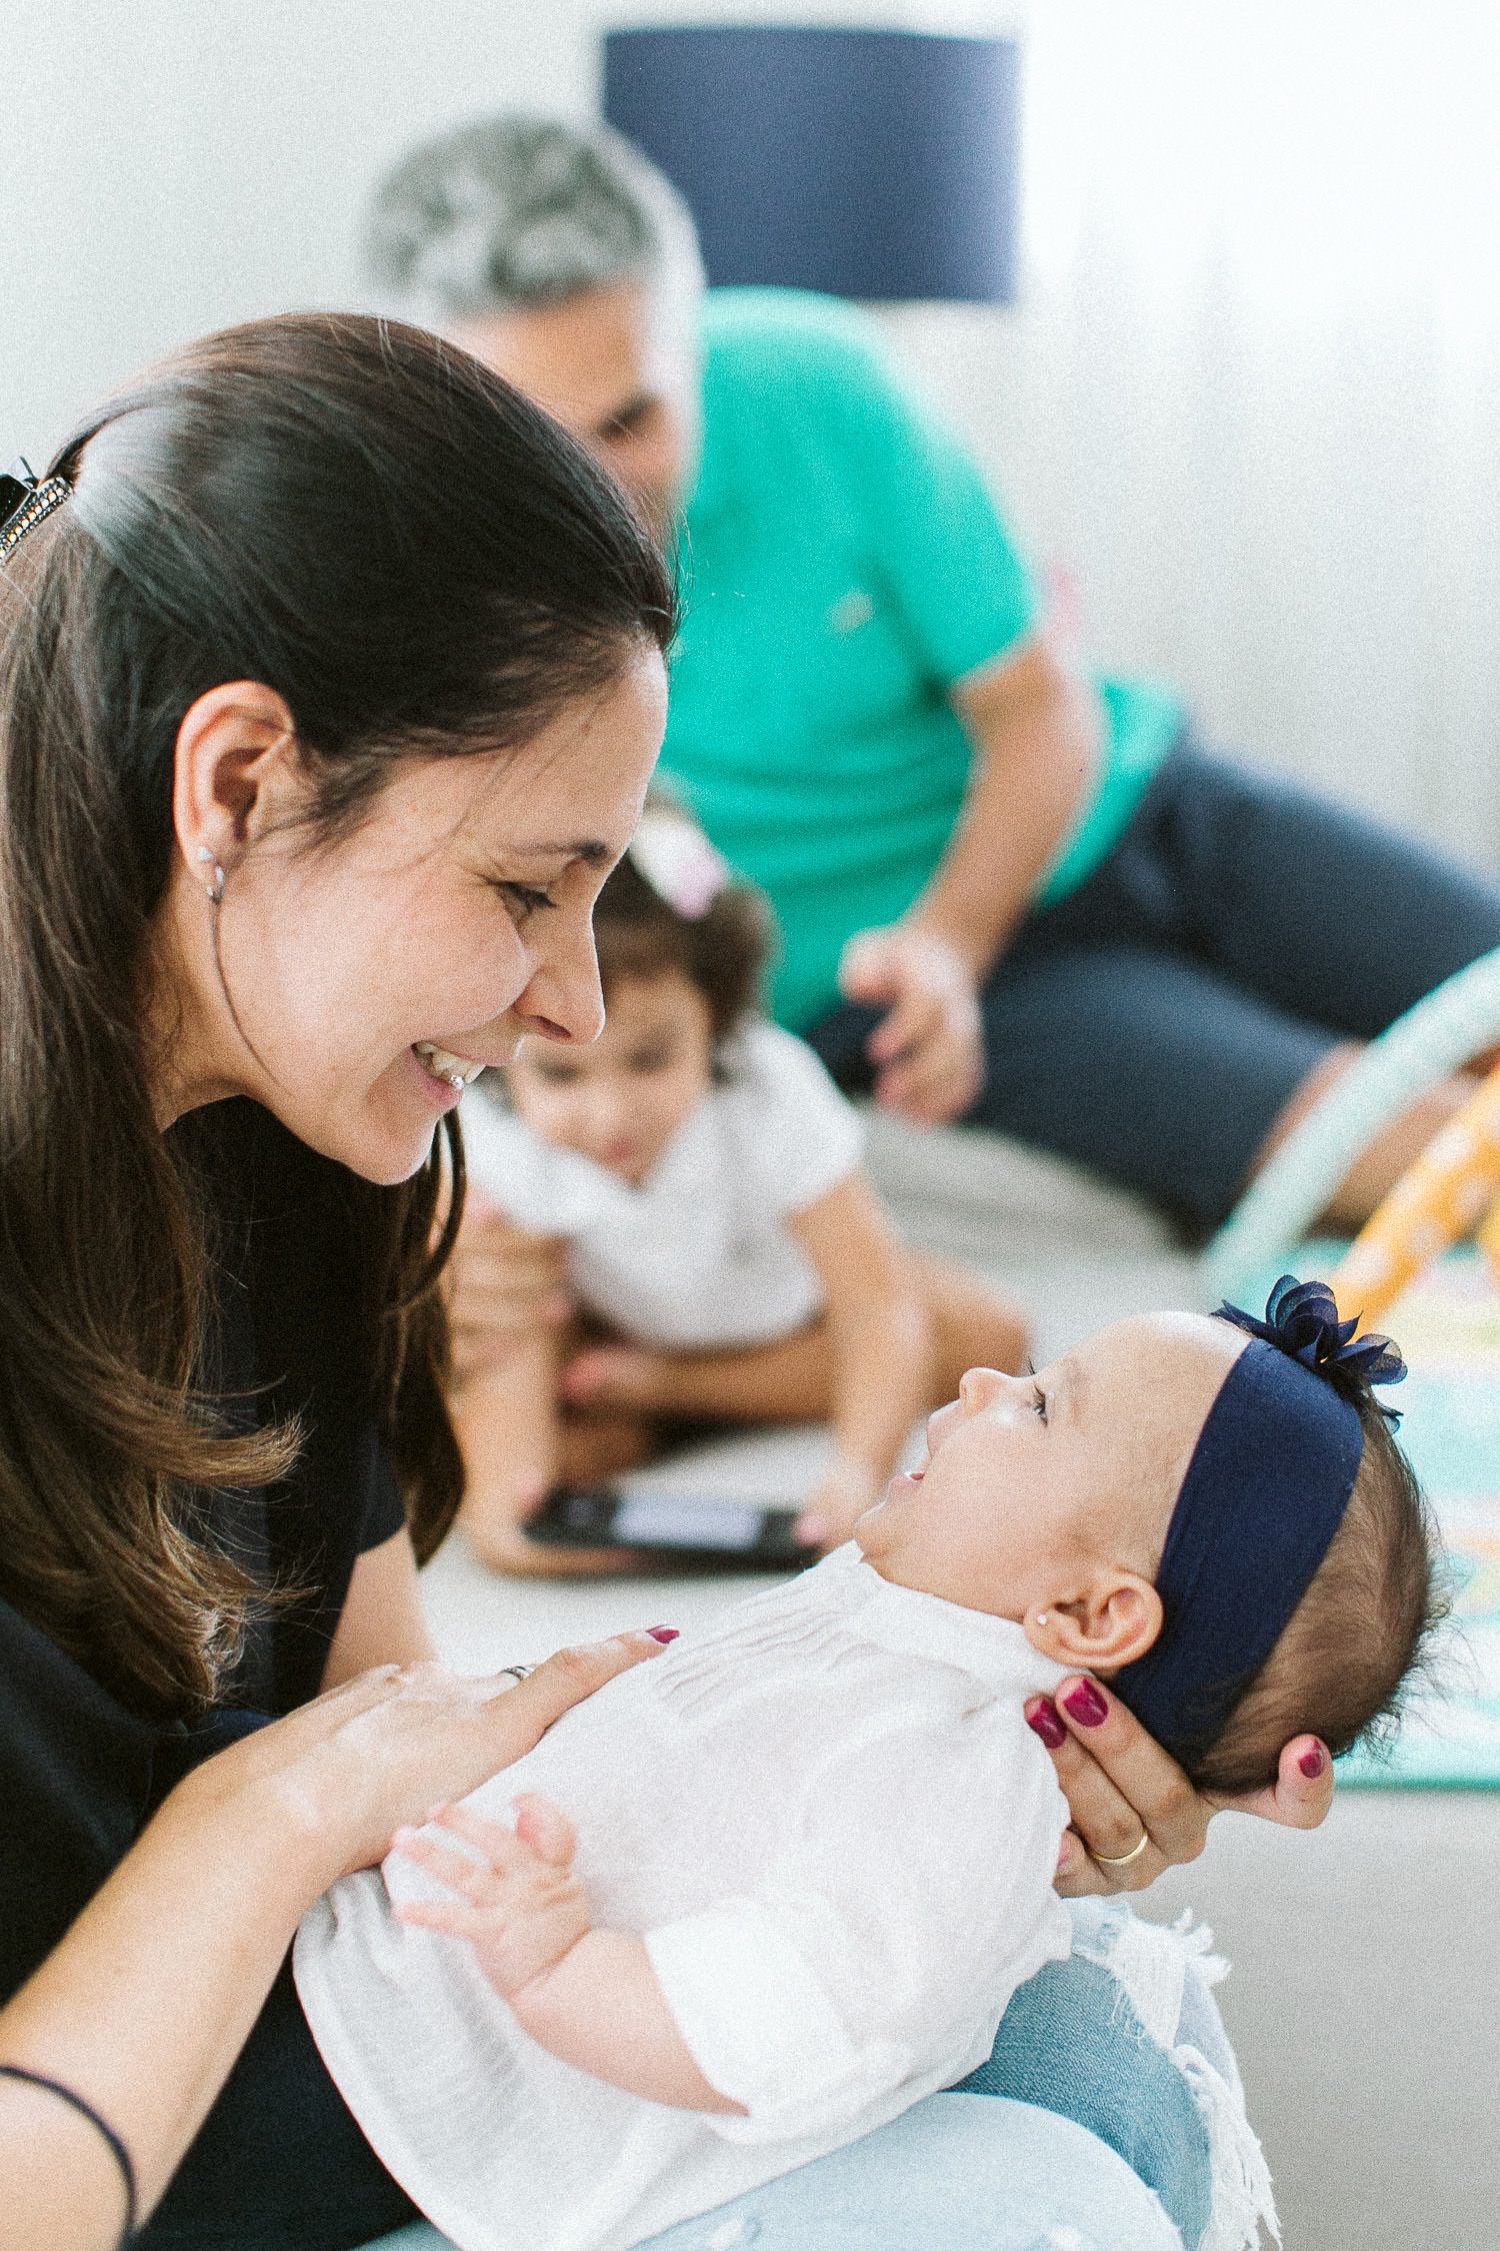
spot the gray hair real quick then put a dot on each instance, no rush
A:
(513, 211)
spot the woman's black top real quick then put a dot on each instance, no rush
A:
(279, 2160)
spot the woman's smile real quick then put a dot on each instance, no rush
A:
(459, 1071)
(438, 1092)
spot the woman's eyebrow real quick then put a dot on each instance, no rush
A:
(591, 849)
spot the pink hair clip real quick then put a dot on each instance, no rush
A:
(671, 853)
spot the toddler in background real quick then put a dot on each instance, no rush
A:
(815, 1840)
(705, 1174)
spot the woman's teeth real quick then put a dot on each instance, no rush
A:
(458, 1070)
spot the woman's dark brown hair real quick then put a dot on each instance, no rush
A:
(420, 564)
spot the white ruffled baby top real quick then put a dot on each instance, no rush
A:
(827, 1818)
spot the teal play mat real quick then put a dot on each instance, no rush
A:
(1447, 1323)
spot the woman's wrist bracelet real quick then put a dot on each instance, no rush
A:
(111, 2139)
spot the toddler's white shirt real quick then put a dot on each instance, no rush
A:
(699, 1254)
(827, 1818)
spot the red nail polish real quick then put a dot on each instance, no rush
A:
(1045, 1723)
(1084, 1703)
(662, 1633)
(1311, 1762)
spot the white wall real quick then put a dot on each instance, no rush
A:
(184, 163)
(1251, 398)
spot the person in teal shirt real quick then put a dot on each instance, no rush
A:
(818, 713)
(1007, 892)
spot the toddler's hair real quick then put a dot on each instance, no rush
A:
(638, 933)
(1357, 1636)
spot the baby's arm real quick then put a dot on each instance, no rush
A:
(588, 1996)
(881, 1348)
(505, 1415)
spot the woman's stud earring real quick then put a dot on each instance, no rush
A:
(215, 889)
(1042, 1616)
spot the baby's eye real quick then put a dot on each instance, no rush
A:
(1039, 1401)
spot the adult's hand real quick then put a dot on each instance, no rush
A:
(1121, 1786)
(928, 1047)
(345, 1771)
(503, 1284)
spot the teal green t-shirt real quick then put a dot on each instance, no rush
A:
(842, 567)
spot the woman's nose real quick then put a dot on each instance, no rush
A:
(564, 999)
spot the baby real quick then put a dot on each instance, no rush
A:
(816, 1841)
(726, 1252)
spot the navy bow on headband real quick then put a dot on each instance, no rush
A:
(1264, 1494)
(1302, 1320)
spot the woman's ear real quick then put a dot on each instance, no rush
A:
(1110, 1625)
(235, 767)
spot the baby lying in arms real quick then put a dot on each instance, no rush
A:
(815, 1842)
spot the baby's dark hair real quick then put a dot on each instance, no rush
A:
(638, 933)
(1359, 1635)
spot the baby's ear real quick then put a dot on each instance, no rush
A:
(1112, 1624)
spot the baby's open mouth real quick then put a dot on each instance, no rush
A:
(453, 1070)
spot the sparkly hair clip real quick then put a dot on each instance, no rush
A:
(671, 854)
(24, 503)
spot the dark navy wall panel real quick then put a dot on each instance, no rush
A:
(874, 164)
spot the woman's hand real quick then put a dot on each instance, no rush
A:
(1122, 1787)
(928, 1048)
(342, 1773)
(503, 1285)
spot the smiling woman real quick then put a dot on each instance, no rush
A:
(330, 681)
(356, 991)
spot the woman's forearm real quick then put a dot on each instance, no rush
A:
(143, 2007)
(63, 2189)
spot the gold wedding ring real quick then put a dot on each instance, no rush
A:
(1123, 1859)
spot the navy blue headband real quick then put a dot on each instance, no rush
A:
(1265, 1491)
